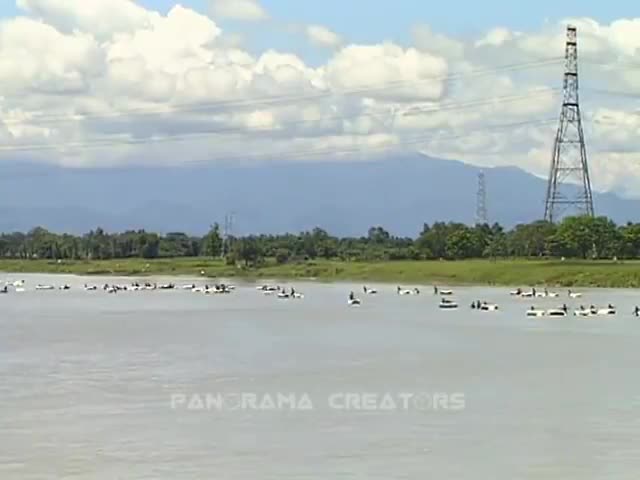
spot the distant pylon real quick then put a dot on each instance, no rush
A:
(482, 216)
(569, 164)
(227, 232)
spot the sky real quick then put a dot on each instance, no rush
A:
(116, 82)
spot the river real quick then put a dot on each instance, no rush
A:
(177, 385)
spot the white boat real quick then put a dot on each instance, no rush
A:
(582, 312)
(283, 295)
(268, 288)
(448, 305)
(515, 293)
(18, 283)
(354, 302)
(556, 312)
(406, 292)
(298, 296)
(20, 290)
(65, 287)
(92, 288)
(45, 287)
(606, 311)
(188, 287)
(574, 294)
(536, 313)
(553, 294)
(198, 290)
(527, 294)
(446, 292)
(370, 291)
(488, 307)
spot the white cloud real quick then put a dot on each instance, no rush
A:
(389, 72)
(322, 36)
(248, 10)
(100, 17)
(426, 39)
(119, 72)
(496, 37)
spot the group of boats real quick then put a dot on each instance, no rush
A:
(281, 292)
(563, 311)
(19, 287)
(447, 302)
(533, 293)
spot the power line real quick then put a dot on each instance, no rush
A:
(333, 151)
(101, 143)
(195, 107)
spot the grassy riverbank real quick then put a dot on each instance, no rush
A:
(480, 272)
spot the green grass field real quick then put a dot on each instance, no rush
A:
(479, 272)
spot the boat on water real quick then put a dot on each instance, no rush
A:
(488, 307)
(369, 291)
(606, 311)
(574, 294)
(534, 312)
(446, 292)
(556, 312)
(353, 301)
(268, 288)
(582, 312)
(45, 287)
(446, 304)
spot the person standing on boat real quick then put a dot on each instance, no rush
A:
(435, 290)
(636, 311)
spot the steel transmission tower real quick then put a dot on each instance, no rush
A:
(227, 233)
(482, 216)
(569, 164)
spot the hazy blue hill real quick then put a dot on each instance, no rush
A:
(344, 197)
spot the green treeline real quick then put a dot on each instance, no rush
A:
(574, 237)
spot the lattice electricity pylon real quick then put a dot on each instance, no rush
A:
(482, 216)
(569, 162)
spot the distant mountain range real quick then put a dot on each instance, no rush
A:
(345, 198)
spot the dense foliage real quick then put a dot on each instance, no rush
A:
(574, 237)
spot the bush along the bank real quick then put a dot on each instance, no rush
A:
(575, 237)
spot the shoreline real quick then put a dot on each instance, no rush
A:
(503, 273)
